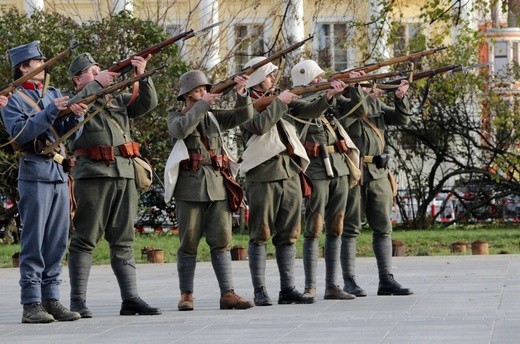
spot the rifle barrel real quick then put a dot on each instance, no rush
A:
(225, 85)
(376, 65)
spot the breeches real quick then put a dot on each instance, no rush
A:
(212, 219)
(374, 200)
(274, 209)
(106, 206)
(326, 207)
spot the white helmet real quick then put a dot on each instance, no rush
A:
(304, 72)
(261, 73)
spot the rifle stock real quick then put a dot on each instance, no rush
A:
(262, 103)
(49, 63)
(227, 84)
(374, 66)
(109, 89)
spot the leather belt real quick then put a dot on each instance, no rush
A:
(369, 159)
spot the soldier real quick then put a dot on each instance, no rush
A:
(374, 196)
(327, 145)
(200, 195)
(272, 163)
(105, 190)
(30, 117)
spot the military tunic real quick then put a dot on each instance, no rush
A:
(200, 195)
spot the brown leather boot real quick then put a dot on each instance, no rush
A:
(336, 293)
(186, 301)
(230, 300)
(309, 292)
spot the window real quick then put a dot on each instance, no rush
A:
(249, 40)
(334, 50)
(407, 38)
(500, 59)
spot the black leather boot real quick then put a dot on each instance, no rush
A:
(351, 287)
(262, 298)
(136, 305)
(389, 286)
(290, 296)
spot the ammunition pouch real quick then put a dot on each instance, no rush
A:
(219, 162)
(313, 148)
(109, 153)
(130, 149)
(341, 146)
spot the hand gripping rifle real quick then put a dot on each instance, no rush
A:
(110, 89)
(226, 85)
(90, 99)
(45, 66)
(262, 103)
(374, 66)
(124, 66)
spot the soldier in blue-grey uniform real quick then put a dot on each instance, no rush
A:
(272, 163)
(200, 194)
(373, 197)
(105, 190)
(327, 145)
(31, 118)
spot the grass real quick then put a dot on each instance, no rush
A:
(502, 239)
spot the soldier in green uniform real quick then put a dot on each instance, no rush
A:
(374, 196)
(200, 194)
(327, 145)
(272, 162)
(105, 189)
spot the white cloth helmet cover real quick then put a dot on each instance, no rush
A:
(304, 72)
(261, 73)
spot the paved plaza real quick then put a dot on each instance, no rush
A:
(458, 299)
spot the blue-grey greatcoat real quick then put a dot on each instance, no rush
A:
(44, 194)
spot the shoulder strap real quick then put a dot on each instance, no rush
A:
(37, 108)
(116, 123)
(376, 129)
(329, 127)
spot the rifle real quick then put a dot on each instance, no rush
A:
(225, 85)
(124, 66)
(107, 90)
(262, 103)
(429, 74)
(376, 65)
(49, 63)
(110, 89)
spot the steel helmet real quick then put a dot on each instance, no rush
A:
(190, 80)
(261, 73)
(304, 72)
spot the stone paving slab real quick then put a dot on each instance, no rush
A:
(458, 299)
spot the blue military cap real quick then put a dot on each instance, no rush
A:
(22, 53)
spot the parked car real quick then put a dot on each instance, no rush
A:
(154, 214)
